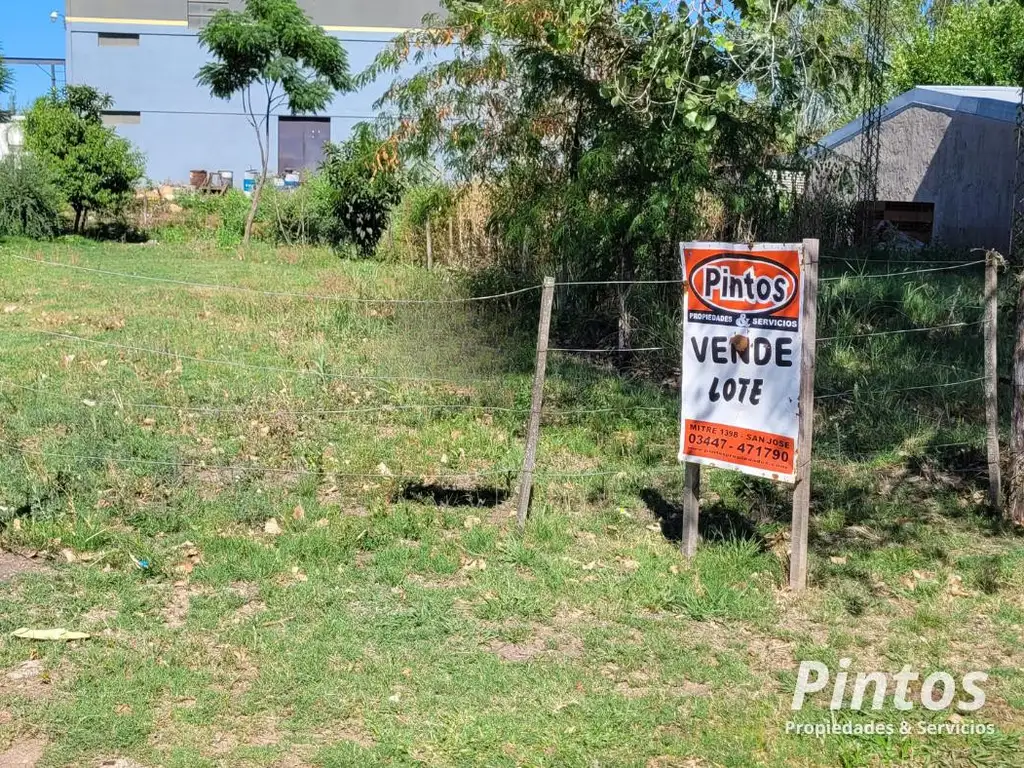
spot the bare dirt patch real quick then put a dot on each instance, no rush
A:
(30, 680)
(12, 565)
(544, 640)
(24, 753)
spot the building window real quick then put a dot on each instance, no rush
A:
(119, 117)
(117, 39)
(201, 11)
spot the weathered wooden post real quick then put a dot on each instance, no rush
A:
(995, 491)
(691, 509)
(430, 247)
(802, 490)
(536, 402)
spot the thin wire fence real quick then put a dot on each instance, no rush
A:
(486, 359)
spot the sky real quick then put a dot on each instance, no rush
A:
(26, 30)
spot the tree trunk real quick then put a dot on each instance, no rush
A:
(1017, 424)
(264, 166)
(78, 220)
(626, 269)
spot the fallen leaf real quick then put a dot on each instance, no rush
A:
(323, 522)
(89, 403)
(674, 570)
(628, 563)
(69, 555)
(837, 560)
(653, 528)
(58, 633)
(298, 513)
(272, 527)
(395, 698)
(382, 468)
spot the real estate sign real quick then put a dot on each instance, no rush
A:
(741, 357)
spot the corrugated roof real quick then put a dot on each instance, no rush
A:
(995, 102)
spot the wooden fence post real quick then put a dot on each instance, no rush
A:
(802, 490)
(430, 247)
(691, 509)
(995, 491)
(536, 402)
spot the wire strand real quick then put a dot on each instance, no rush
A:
(900, 389)
(900, 274)
(279, 294)
(677, 281)
(606, 351)
(247, 366)
(246, 468)
(382, 408)
(900, 331)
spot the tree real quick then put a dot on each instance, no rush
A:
(364, 180)
(271, 56)
(607, 131)
(6, 79)
(95, 169)
(980, 43)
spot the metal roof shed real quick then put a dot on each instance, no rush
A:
(950, 147)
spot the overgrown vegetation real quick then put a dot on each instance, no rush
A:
(271, 55)
(30, 202)
(95, 169)
(969, 44)
(392, 614)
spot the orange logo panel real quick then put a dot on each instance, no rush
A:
(757, 284)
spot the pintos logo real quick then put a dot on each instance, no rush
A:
(743, 284)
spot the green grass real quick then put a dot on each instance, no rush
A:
(399, 618)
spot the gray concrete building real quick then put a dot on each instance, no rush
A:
(946, 163)
(145, 54)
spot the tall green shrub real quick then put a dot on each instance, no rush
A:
(94, 168)
(30, 202)
(364, 180)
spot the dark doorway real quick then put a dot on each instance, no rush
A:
(300, 142)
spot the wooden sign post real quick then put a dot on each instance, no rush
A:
(802, 490)
(747, 368)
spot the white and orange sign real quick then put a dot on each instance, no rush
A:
(741, 357)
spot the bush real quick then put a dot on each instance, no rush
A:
(30, 203)
(362, 180)
(96, 170)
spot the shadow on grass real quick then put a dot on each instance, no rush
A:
(717, 522)
(453, 497)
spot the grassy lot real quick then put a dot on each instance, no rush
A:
(329, 573)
